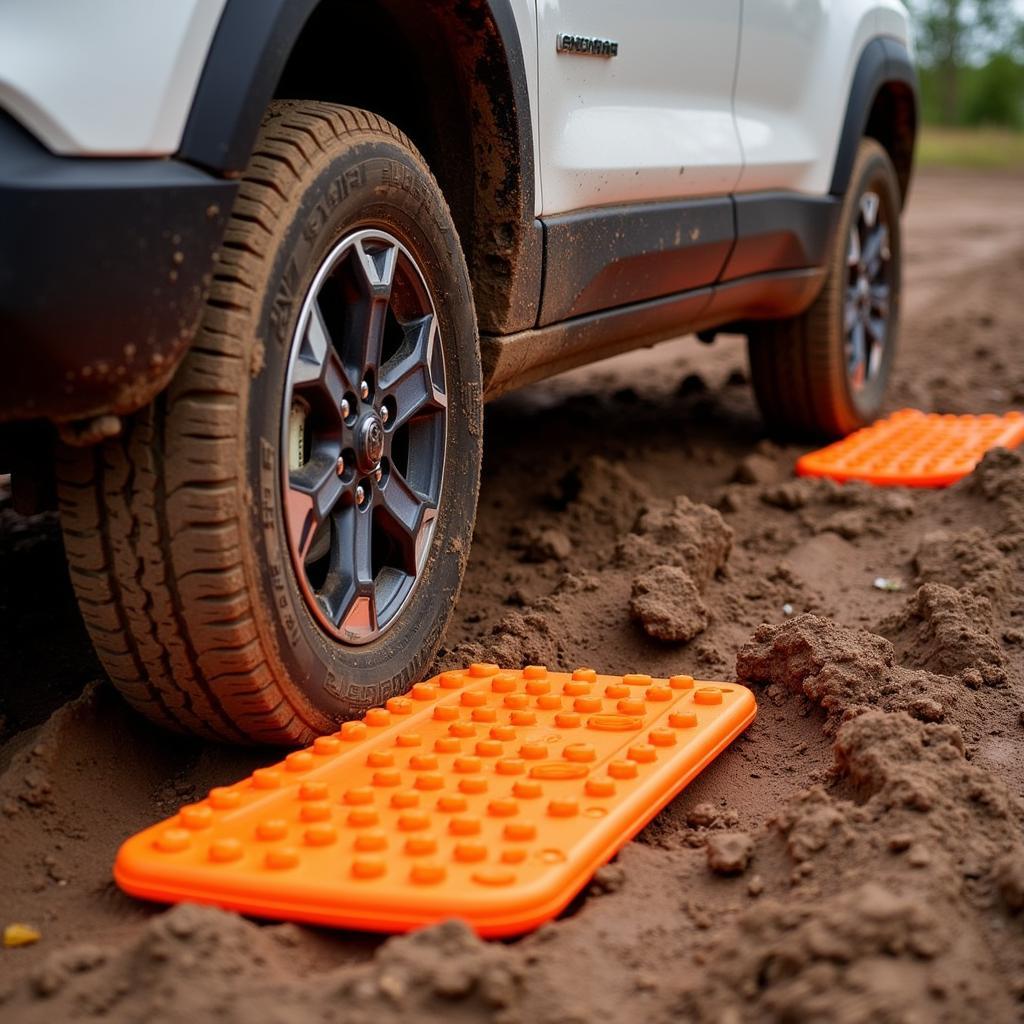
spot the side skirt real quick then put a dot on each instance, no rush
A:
(513, 360)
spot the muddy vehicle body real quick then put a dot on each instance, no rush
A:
(302, 242)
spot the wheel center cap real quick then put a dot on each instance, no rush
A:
(369, 441)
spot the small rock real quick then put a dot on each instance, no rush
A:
(729, 853)
(919, 856)
(756, 469)
(702, 816)
(547, 545)
(889, 583)
(17, 934)
(755, 886)
(926, 710)
(900, 842)
(972, 679)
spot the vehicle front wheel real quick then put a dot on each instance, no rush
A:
(824, 373)
(278, 541)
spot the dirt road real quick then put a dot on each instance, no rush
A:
(871, 816)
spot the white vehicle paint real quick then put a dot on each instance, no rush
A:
(796, 65)
(653, 122)
(704, 97)
(104, 77)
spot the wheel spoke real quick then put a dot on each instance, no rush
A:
(376, 268)
(869, 204)
(348, 595)
(853, 248)
(857, 352)
(851, 309)
(409, 377)
(313, 491)
(874, 248)
(405, 515)
(876, 328)
(880, 300)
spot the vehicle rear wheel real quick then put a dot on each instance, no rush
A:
(278, 541)
(824, 373)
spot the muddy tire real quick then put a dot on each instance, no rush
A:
(190, 536)
(824, 374)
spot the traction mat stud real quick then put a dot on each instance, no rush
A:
(915, 449)
(483, 794)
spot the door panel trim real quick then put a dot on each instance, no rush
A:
(614, 255)
(781, 231)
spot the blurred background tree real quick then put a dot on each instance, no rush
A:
(970, 54)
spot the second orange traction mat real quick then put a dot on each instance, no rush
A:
(484, 794)
(914, 449)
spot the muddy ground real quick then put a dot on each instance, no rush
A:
(871, 817)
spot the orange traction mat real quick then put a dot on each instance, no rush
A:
(915, 449)
(483, 794)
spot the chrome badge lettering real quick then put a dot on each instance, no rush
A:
(586, 45)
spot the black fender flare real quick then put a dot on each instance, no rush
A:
(249, 51)
(882, 61)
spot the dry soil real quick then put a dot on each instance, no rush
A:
(856, 856)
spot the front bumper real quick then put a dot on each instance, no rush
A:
(104, 266)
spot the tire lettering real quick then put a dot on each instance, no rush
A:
(275, 570)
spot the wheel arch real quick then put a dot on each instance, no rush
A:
(455, 84)
(883, 106)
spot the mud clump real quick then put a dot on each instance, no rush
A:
(546, 545)
(683, 533)
(846, 944)
(729, 853)
(667, 605)
(843, 670)
(678, 548)
(210, 965)
(948, 631)
(965, 560)
(600, 495)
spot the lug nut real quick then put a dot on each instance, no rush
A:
(384, 414)
(364, 390)
(340, 466)
(344, 409)
(360, 495)
(378, 473)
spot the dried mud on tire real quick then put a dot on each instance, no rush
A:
(857, 856)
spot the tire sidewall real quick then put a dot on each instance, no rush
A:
(375, 183)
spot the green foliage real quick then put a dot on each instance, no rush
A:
(970, 53)
(994, 95)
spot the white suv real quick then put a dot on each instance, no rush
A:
(262, 261)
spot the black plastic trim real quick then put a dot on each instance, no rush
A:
(104, 266)
(611, 256)
(781, 231)
(607, 257)
(883, 60)
(513, 360)
(249, 51)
